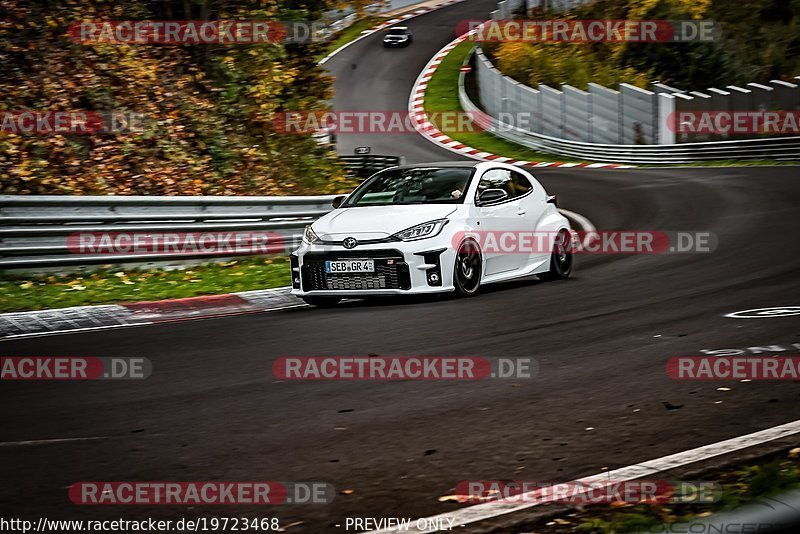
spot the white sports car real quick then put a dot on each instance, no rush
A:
(430, 228)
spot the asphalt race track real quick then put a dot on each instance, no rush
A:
(212, 409)
(372, 78)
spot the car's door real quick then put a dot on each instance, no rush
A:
(533, 205)
(501, 221)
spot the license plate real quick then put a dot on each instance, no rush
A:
(350, 266)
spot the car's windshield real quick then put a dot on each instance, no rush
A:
(423, 185)
(397, 31)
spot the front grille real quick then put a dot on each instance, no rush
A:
(391, 272)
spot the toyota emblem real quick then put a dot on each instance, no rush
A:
(350, 242)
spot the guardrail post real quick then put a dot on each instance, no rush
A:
(659, 88)
(683, 102)
(638, 115)
(786, 95)
(577, 110)
(740, 98)
(552, 111)
(720, 101)
(605, 115)
(762, 96)
(667, 119)
(702, 102)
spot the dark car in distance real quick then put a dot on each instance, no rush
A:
(397, 36)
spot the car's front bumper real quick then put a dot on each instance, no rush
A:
(401, 268)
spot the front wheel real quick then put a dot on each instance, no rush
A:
(467, 271)
(322, 302)
(560, 258)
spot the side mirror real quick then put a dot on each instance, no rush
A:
(336, 202)
(552, 199)
(492, 195)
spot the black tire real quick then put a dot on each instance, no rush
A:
(561, 258)
(467, 269)
(322, 302)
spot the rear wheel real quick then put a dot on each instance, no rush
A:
(560, 258)
(322, 302)
(467, 271)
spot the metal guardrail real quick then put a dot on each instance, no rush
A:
(779, 148)
(34, 229)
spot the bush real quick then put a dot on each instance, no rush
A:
(210, 108)
(760, 41)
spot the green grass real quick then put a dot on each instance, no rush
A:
(442, 95)
(351, 33)
(19, 293)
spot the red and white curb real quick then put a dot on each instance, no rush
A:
(382, 25)
(421, 123)
(88, 318)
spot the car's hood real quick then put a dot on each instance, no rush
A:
(377, 222)
(395, 38)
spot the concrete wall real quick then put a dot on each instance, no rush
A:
(629, 116)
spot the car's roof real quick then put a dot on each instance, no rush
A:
(467, 164)
(399, 28)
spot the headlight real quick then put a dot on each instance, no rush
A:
(422, 231)
(309, 237)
